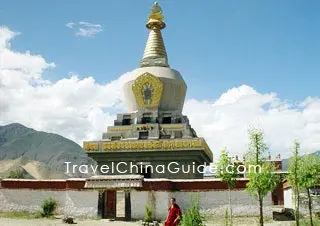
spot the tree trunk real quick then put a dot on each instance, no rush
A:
(261, 209)
(310, 206)
(297, 205)
(230, 206)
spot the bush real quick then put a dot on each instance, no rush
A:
(148, 215)
(192, 217)
(226, 218)
(48, 207)
(16, 174)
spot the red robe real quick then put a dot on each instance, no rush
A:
(173, 213)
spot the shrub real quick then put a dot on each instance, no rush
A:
(148, 215)
(192, 217)
(226, 218)
(48, 207)
(16, 174)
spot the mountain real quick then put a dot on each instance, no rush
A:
(285, 162)
(42, 155)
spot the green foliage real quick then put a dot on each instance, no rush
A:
(306, 222)
(227, 172)
(226, 169)
(48, 207)
(193, 217)
(310, 171)
(294, 178)
(310, 177)
(16, 174)
(226, 218)
(257, 147)
(262, 182)
(148, 215)
(304, 173)
(20, 215)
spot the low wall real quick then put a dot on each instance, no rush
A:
(76, 203)
(74, 199)
(211, 202)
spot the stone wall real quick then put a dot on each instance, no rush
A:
(76, 203)
(304, 204)
(289, 202)
(211, 202)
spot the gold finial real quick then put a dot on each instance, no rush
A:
(156, 17)
(155, 52)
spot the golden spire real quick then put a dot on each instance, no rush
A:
(155, 52)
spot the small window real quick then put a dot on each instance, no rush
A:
(126, 122)
(166, 120)
(178, 120)
(116, 138)
(143, 135)
(146, 120)
(165, 136)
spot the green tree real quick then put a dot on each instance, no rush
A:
(294, 177)
(192, 217)
(227, 173)
(310, 177)
(263, 181)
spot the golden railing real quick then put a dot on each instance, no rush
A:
(145, 145)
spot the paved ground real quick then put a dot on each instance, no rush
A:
(45, 222)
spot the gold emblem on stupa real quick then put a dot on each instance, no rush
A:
(147, 89)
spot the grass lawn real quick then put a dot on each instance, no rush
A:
(219, 220)
(22, 215)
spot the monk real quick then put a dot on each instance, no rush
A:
(174, 214)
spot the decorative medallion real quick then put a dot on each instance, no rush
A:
(147, 89)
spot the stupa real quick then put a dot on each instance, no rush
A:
(154, 134)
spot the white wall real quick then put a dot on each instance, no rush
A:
(85, 203)
(288, 198)
(75, 203)
(211, 202)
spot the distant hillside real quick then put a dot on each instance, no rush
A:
(285, 162)
(40, 154)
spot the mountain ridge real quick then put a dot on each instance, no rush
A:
(53, 150)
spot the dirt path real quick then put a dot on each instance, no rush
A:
(45, 222)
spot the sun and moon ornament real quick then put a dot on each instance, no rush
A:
(147, 89)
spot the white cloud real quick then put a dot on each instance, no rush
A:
(225, 122)
(81, 109)
(85, 29)
(72, 107)
(70, 24)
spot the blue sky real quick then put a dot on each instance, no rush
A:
(272, 46)
(246, 63)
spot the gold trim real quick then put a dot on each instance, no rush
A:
(148, 145)
(90, 146)
(171, 126)
(157, 87)
(118, 128)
